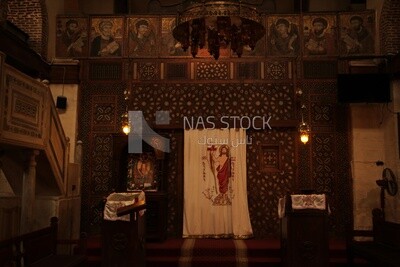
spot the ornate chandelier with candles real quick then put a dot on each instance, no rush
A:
(218, 24)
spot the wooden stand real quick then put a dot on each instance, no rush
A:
(124, 242)
(156, 216)
(156, 201)
(304, 237)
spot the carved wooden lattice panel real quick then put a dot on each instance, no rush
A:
(323, 162)
(212, 71)
(148, 71)
(275, 100)
(278, 70)
(322, 113)
(100, 116)
(101, 164)
(104, 113)
(265, 187)
(270, 159)
(24, 107)
(231, 99)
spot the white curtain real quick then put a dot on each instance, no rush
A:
(215, 193)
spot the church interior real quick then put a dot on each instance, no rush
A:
(193, 133)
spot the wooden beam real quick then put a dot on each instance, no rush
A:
(18, 53)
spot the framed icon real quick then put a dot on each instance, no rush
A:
(142, 172)
(106, 36)
(72, 37)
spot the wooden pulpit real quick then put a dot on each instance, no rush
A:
(304, 233)
(123, 241)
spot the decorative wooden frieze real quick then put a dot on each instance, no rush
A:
(275, 100)
(212, 71)
(278, 70)
(148, 71)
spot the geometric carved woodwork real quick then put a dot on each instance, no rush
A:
(254, 85)
(273, 159)
(278, 70)
(23, 108)
(29, 119)
(148, 71)
(230, 99)
(212, 71)
(104, 112)
(272, 180)
(272, 168)
(323, 161)
(270, 159)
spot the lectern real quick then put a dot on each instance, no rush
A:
(304, 231)
(123, 230)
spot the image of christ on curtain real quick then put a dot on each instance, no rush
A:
(215, 190)
(222, 172)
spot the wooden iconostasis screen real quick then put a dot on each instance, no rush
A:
(264, 81)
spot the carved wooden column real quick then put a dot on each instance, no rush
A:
(28, 194)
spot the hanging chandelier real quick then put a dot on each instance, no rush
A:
(218, 24)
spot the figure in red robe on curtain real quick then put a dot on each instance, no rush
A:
(223, 168)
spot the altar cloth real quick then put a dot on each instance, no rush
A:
(312, 201)
(303, 201)
(118, 200)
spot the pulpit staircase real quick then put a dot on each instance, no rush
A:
(36, 177)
